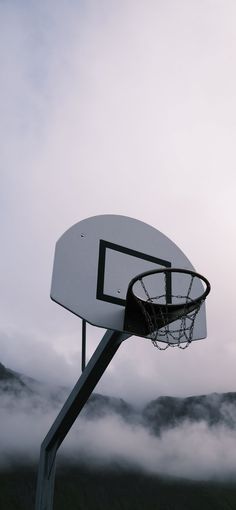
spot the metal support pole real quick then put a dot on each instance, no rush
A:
(68, 414)
(83, 357)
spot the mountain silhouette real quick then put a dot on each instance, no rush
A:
(116, 485)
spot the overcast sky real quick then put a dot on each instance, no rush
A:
(117, 107)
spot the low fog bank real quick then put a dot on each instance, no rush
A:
(169, 436)
(191, 451)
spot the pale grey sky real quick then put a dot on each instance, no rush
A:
(124, 107)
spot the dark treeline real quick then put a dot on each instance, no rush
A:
(79, 488)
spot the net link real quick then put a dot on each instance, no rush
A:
(178, 333)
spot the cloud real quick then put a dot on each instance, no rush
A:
(191, 450)
(124, 108)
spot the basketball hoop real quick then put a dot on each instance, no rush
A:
(94, 262)
(163, 305)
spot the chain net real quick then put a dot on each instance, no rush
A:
(178, 333)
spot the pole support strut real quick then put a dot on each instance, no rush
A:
(74, 404)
